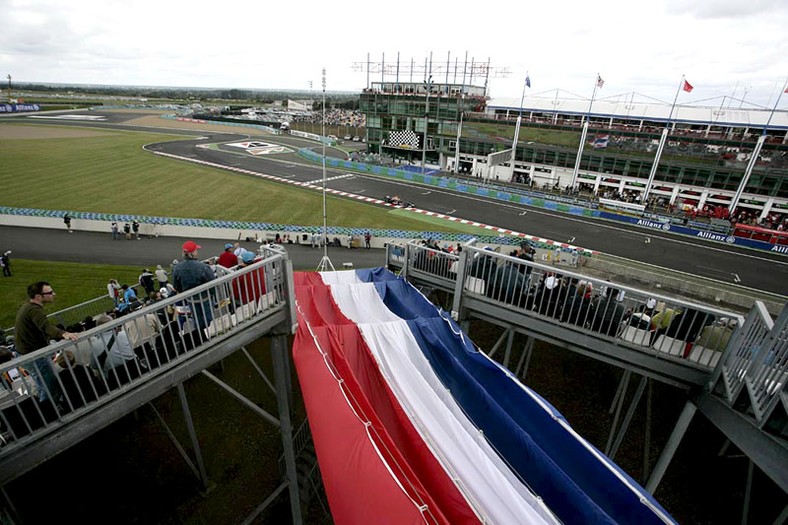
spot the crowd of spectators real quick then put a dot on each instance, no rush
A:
(603, 309)
(335, 117)
(95, 364)
(772, 221)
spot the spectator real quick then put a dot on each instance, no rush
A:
(130, 301)
(228, 259)
(5, 262)
(34, 331)
(578, 309)
(608, 312)
(191, 273)
(113, 291)
(113, 351)
(251, 285)
(77, 380)
(716, 336)
(67, 222)
(115, 231)
(146, 281)
(161, 276)
(550, 295)
(135, 227)
(687, 324)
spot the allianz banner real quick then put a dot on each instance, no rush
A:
(14, 108)
(712, 236)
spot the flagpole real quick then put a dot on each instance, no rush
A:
(662, 140)
(526, 82)
(584, 133)
(681, 85)
(771, 114)
(755, 154)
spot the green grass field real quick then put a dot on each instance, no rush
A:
(111, 173)
(74, 283)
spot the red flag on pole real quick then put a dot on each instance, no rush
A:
(687, 87)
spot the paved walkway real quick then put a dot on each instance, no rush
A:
(91, 247)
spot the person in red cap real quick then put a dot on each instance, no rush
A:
(191, 273)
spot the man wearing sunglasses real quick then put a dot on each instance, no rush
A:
(34, 331)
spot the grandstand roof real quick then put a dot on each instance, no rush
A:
(626, 106)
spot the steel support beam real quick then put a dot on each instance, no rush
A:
(248, 403)
(647, 433)
(508, 353)
(281, 378)
(498, 343)
(670, 448)
(187, 416)
(525, 359)
(618, 403)
(768, 452)
(259, 370)
(628, 417)
(177, 443)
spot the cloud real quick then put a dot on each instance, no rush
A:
(718, 9)
(636, 47)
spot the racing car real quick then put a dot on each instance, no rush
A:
(396, 201)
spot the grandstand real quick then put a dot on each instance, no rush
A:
(705, 162)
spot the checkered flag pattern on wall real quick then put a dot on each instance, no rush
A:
(404, 139)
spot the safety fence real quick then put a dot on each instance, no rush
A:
(151, 226)
(456, 184)
(665, 327)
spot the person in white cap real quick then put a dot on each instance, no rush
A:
(161, 276)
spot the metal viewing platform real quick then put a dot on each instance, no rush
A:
(733, 368)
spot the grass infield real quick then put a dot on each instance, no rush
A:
(73, 283)
(109, 172)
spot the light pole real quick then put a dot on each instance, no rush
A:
(427, 83)
(325, 262)
(312, 109)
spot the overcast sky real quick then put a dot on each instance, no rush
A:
(727, 48)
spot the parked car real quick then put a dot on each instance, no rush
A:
(346, 137)
(356, 138)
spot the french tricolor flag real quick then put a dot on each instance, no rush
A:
(413, 424)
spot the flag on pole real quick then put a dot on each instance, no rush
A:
(687, 87)
(527, 80)
(599, 81)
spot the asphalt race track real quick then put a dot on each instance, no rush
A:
(755, 269)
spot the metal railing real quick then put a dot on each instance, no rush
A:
(77, 313)
(663, 326)
(45, 389)
(758, 362)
